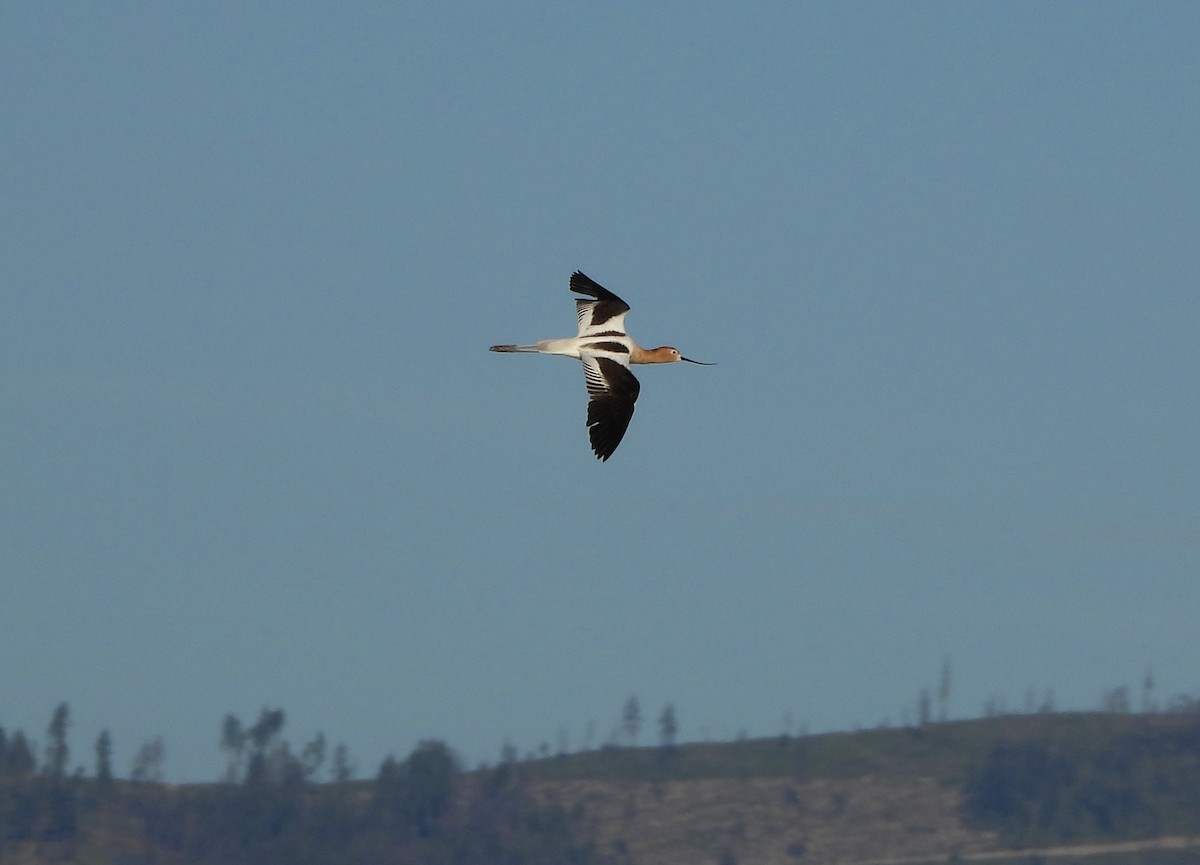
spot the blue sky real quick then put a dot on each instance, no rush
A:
(254, 452)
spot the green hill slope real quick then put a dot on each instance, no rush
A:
(1111, 788)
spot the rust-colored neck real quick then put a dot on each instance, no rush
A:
(662, 354)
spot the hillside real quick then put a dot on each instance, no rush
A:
(1102, 788)
(1077, 785)
(773, 820)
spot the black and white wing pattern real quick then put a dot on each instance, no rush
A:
(612, 391)
(604, 316)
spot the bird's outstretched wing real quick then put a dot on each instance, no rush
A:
(612, 391)
(603, 316)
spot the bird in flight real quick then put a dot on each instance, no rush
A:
(606, 352)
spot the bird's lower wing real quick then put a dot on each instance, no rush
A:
(612, 392)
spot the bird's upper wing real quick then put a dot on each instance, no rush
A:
(612, 391)
(603, 316)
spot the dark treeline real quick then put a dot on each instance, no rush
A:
(269, 809)
(1037, 778)
(1139, 778)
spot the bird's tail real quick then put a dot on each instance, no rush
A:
(513, 348)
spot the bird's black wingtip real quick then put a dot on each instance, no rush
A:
(581, 283)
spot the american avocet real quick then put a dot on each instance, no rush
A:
(606, 352)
